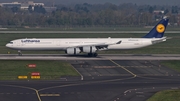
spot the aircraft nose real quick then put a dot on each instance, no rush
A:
(7, 45)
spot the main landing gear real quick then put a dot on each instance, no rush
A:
(19, 53)
(92, 54)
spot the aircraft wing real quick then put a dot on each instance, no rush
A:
(99, 45)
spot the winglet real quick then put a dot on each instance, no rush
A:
(158, 30)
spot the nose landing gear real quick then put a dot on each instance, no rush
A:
(19, 53)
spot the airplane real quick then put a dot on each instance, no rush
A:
(75, 46)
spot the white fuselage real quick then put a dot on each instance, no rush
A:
(64, 43)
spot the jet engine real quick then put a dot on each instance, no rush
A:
(73, 51)
(89, 49)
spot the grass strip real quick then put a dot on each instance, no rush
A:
(166, 95)
(174, 64)
(11, 69)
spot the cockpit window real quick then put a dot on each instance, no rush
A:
(11, 42)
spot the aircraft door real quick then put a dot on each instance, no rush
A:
(109, 39)
(58, 43)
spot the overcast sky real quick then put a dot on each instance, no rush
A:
(149, 2)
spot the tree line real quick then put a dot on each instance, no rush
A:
(87, 15)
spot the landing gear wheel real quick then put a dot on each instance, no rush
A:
(95, 54)
(19, 53)
(92, 54)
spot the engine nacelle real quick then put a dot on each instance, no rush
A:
(73, 51)
(89, 49)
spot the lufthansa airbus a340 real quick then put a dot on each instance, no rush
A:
(74, 46)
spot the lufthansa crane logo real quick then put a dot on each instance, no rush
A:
(160, 28)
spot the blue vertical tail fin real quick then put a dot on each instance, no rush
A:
(158, 30)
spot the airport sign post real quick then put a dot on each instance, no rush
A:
(22, 77)
(32, 65)
(35, 75)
